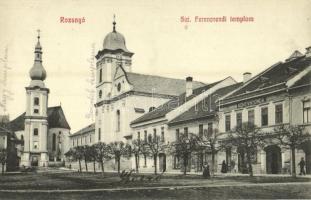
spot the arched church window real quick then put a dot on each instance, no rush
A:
(35, 132)
(100, 94)
(54, 142)
(22, 140)
(118, 121)
(36, 101)
(151, 109)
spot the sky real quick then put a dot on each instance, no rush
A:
(163, 45)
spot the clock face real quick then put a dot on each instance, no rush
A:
(119, 56)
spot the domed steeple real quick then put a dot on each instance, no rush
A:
(37, 73)
(115, 40)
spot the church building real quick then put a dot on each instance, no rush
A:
(43, 130)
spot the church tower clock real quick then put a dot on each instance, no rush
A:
(36, 125)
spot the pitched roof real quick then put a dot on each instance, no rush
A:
(56, 119)
(165, 108)
(305, 80)
(87, 129)
(205, 107)
(158, 84)
(276, 75)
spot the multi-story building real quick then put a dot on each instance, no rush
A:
(279, 95)
(85, 136)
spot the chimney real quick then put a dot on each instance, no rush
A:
(246, 76)
(308, 51)
(189, 88)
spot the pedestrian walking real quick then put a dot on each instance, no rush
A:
(302, 165)
(206, 171)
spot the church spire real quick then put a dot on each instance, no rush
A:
(114, 23)
(37, 72)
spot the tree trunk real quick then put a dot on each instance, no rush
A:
(293, 162)
(213, 162)
(119, 160)
(136, 162)
(94, 164)
(102, 166)
(3, 168)
(185, 163)
(80, 167)
(249, 162)
(85, 165)
(155, 163)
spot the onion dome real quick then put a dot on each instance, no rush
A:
(37, 72)
(115, 40)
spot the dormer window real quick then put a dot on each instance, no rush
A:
(151, 109)
(36, 101)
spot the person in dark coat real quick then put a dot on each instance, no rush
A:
(302, 165)
(224, 167)
(206, 171)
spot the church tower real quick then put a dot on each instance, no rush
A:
(113, 54)
(35, 139)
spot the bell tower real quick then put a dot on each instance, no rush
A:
(36, 125)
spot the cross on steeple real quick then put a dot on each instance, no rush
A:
(38, 34)
(114, 23)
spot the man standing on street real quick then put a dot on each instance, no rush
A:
(302, 164)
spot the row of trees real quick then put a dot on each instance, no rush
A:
(246, 137)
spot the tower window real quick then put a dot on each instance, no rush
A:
(100, 94)
(100, 75)
(99, 134)
(35, 132)
(119, 87)
(35, 144)
(54, 142)
(36, 101)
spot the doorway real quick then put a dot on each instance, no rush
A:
(162, 162)
(273, 159)
(34, 161)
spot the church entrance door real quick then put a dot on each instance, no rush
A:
(34, 161)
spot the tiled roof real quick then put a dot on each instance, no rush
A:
(159, 85)
(89, 128)
(275, 75)
(305, 80)
(165, 108)
(56, 119)
(205, 107)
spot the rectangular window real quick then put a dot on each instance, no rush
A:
(162, 134)
(239, 119)
(145, 136)
(186, 132)
(35, 132)
(228, 122)
(99, 134)
(251, 117)
(264, 116)
(36, 101)
(307, 111)
(177, 135)
(73, 142)
(100, 75)
(278, 114)
(201, 131)
(145, 161)
(138, 135)
(210, 128)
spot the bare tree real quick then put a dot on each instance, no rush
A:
(154, 146)
(93, 156)
(102, 153)
(78, 155)
(137, 149)
(185, 145)
(291, 136)
(117, 150)
(3, 158)
(248, 137)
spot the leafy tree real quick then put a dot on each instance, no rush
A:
(137, 149)
(102, 153)
(3, 158)
(154, 146)
(117, 150)
(247, 137)
(78, 153)
(86, 150)
(185, 145)
(291, 136)
(93, 156)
